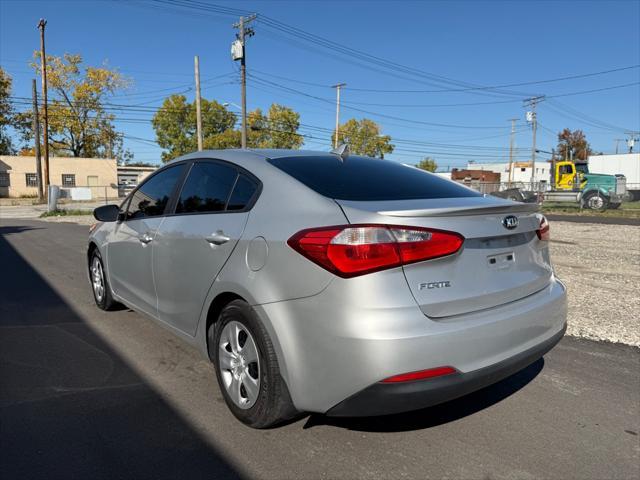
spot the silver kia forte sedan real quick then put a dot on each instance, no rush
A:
(323, 282)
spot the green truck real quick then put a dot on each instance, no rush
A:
(572, 182)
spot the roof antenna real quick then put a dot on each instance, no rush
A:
(342, 151)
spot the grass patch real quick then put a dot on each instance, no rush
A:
(626, 210)
(66, 213)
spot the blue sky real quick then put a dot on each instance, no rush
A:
(471, 43)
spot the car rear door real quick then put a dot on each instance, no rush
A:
(129, 251)
(193, 244)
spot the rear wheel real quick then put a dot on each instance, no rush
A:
(99, 284)
(595, 201)
(247, 368)
(614, 206)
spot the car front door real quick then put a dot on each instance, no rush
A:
(193, 244)
(129, 251)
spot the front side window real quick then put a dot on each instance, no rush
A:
(207, 188)
(31, 179)
(151, 199)
(68, 180)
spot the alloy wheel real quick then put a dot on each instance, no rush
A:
(97, 279)
(239, 364)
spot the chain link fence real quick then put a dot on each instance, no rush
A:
(540, 192)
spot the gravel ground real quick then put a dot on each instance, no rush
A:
(600, 264)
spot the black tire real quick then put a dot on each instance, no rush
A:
(614, 206)
(591, 202)
(273, 404)
(105, 301)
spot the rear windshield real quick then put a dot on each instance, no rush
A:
(368, 179)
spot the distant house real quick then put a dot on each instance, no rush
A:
(484, 181)
(130, 176)
(98, 176)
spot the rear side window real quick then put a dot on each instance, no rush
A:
(242, 194)
(151, 199)
(207, 188)
(368, 179)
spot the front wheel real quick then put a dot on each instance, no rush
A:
(595, 201)
(247, 368)
(99, 284)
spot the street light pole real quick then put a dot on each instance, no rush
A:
(337, 87)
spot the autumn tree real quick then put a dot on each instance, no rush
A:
(6, 114)
(428, 164)
(575, 141)
(364, 138)
(79, 123)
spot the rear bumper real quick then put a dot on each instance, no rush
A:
(388, 398)
(356, 332)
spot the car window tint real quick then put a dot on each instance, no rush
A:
(242, 194)
(207, 188)
(368, 179)
(151, 199)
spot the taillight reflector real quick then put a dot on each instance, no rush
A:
(351, 250)
(420, 375)
(543, 232)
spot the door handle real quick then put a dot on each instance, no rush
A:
(145, 238)
(217, 238)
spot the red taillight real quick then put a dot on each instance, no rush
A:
(543, 232)
(352, 250)
(421, 375)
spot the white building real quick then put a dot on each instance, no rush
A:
(521, 172)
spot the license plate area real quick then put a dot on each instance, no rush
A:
(501, 261)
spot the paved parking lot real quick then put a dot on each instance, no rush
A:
(89, 394)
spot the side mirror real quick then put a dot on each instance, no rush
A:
(107, 213)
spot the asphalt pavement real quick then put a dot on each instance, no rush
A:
(91, 394)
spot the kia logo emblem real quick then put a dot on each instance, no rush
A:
(510, 222)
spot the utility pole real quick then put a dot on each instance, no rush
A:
(511, 140)
(617, 141)
(532, 117)
(198, 110)
(36, 136)
(45, 129)
(337, 87)
(238, 51)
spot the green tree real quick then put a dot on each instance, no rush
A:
(573, 140)
(282, 124)
(6, 114)
(175, 125)
(428, 164)
(79, 124)
(364, 138)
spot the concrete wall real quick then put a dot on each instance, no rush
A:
(100, 174)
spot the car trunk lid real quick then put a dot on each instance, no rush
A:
(496, 265)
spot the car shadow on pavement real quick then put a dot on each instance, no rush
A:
(70, 406)
(438, 414)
